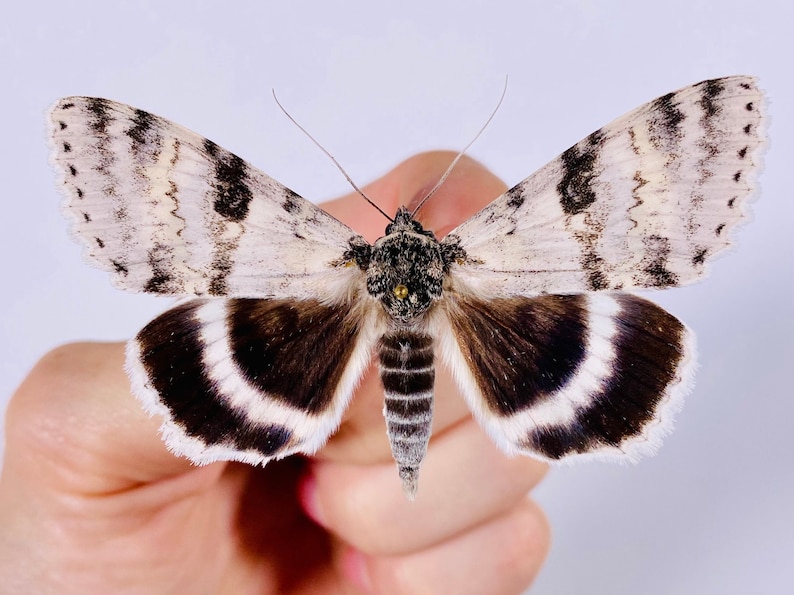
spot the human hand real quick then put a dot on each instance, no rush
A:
(92, 502)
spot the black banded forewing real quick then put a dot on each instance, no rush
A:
(522, 300)
(561, 375)
(168, 212)
(644, 202)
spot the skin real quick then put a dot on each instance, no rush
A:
(92, 502)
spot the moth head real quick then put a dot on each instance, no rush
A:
(406, 269)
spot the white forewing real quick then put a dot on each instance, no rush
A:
(643, 202)
(166, 211)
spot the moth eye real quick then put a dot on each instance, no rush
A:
(400, 292)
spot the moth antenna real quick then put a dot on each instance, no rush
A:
(462, 153)
(331, 157)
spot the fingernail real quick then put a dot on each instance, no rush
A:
(307, 494)
(354, 567)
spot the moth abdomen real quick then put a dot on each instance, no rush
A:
(405, 360)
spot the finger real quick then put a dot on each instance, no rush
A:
(470, 186)
(74, 424)
(465, 480)
(500, 556)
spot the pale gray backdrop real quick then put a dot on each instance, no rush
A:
(713, 512)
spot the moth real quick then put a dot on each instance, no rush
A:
(527, 302)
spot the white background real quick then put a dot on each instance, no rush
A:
(713, 512)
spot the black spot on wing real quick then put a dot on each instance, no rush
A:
(515, 197)
(593, 266)
(100, 114)
(171, 353)
(158, 282)
(710, 145)
(121, 214)
(293, 350)
(222, 267)
(99, 117)
(120, 267)
(232, 193)
(665, 123)
(710, 91)
(143, 132)
(291, 202)
(654, 263)
(699, 256)
(162, 280)
(520, 350)
(211, 148)
(579, 167)
(648, 350)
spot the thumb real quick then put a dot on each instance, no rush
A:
(74, 427)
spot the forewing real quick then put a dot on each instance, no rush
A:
(167, 211)
(558, 376)
(645, 201)
(247, 379)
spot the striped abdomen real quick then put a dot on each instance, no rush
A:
(407, 373)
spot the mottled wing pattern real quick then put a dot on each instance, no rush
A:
(235, 380)
(556, 376)
(643, 202)
(547, 369)
(167, 211)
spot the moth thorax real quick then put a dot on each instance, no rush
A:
(406, 273)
